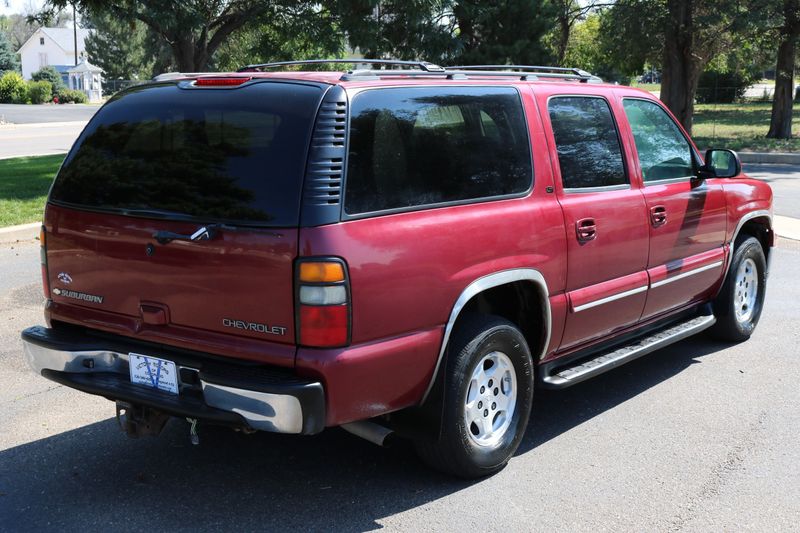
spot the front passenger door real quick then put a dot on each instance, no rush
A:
(687, 217)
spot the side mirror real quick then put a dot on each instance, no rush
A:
(721, 164)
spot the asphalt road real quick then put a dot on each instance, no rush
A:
(17, 140)
(699, 436)
(37, 114)
(785, 183)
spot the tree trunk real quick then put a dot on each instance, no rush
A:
(563, 37)
(682, 65)
(780, 126)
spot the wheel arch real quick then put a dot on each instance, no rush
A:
(757, 224)
(489, 294)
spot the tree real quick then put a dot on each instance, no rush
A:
(51, 75)
(449, 31)
(780, 126)
(8, 57)
(567, 14)
(195, 30)
(118, 47)
(683, 36)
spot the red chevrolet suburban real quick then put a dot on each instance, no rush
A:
(404, 248)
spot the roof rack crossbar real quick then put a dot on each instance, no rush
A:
(421, 65)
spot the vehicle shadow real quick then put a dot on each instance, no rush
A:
(94, 477)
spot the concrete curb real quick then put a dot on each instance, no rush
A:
(23, 232)
(770, 158)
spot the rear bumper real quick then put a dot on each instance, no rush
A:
(210, 388)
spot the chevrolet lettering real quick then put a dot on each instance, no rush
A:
(253, 326)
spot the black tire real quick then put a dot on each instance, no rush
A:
(729, 326)
(456, 451)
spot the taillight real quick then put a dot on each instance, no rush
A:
(43, 261)
(323, 303)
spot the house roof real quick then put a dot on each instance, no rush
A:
(63, 37)
(84, 66)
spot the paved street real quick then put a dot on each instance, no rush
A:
(36, 114)
(785, 183)
(18, 140)
(699, 436)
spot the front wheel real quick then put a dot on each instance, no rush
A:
(739, 304)
(487, 401)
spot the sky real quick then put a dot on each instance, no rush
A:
(9, 7)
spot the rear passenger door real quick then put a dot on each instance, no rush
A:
(604, 215)
(687, 217)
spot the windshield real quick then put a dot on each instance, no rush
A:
(232, 155)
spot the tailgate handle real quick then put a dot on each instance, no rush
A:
(205, 233)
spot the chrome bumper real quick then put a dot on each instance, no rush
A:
(294, 407)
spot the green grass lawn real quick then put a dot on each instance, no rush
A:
(24, 182)
(741, 127)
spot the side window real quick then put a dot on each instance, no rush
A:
(589, 152)
(423, 145)
(663, 151)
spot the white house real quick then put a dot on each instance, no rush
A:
(52, 46)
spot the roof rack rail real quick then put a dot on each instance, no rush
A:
(526, 71)
(423, 66)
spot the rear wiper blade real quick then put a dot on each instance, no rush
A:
(204, 233)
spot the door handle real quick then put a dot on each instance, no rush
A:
(586, 229)
(658, 215)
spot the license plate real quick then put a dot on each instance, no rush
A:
(153, 372)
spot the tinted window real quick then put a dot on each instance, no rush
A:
(206, 154)
(663, 151)
(420, 146)
(586, 138)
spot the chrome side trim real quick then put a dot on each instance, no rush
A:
(480, 285)
(265, 411)
(601, 188)
(686, 274)
(681, 179)
(608, 299)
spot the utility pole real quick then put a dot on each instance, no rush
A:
(75, 33)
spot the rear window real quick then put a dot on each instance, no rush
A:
(232, 155)
(425, 146)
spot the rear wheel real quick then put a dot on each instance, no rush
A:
(739, 304)
(487, 399)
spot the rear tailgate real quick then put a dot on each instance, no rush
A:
(169, 160)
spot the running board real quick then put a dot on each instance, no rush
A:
(565, 376)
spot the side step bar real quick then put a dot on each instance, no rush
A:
(562, 376)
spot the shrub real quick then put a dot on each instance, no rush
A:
(70, 96)
(40, 92)
(49, 74)
(724, 87)
(12, 89)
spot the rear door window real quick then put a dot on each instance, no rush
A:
(589, 153)
(424, 146)
(232, 155)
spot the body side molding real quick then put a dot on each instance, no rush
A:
(487, 282)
